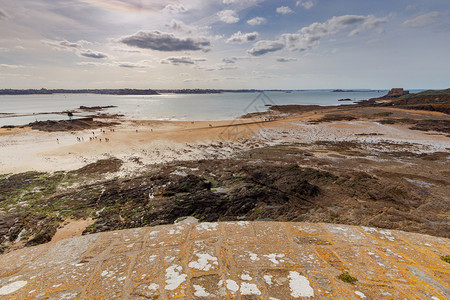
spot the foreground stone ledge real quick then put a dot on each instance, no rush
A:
(232, 260)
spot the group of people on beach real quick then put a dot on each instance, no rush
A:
(93, 137)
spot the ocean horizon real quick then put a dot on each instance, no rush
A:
(23, 109)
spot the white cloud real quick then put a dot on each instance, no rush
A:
(422, 20)
(240, 38)
(264, 47)
(238, 1)
(175, 25)
(175, 8)
(370, 22)
(284, 10)
(10, 66)
(307, 4)
(128, 5)
(257, 21)
(309, 37)
(228, 16)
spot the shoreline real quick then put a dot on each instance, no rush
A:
(152, 141)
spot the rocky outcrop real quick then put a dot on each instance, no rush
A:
(232, 260)
(396, 92)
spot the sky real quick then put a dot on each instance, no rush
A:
(225, 44)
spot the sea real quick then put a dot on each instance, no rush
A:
(23, 109)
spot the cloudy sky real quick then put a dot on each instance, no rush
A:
(232, 44)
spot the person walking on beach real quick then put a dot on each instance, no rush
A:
(57, 140)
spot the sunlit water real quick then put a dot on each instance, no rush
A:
(226, 106)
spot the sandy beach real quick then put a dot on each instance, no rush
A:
(140, 143)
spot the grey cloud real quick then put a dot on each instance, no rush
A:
(234, 59)
(240, 38)
(139, 65)
(126, 50)
(264, 47)
(159, 41)
(131, 66)
(223, 68)
(93, 54)
(346, 20)
(230, 60)
(66, 45)
(256, 21)
(3, 15)
(184, 60)
(286, 59)
(422, 20)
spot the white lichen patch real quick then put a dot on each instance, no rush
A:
(246, 277)
(207, 226)
(174, 277)
(153, 287)
(386, 234)
(273, 258)
(299, 285)
(12, 287)
(175, 231)
(232, 285)
(153, 233)
(200, 291)
(243, 223)
(203, 262)
(253, 256)
(307, 229)
(268, 279)
(360, 295)
(152, 258)
(249, 289)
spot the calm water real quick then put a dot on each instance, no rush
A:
(168, 106)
